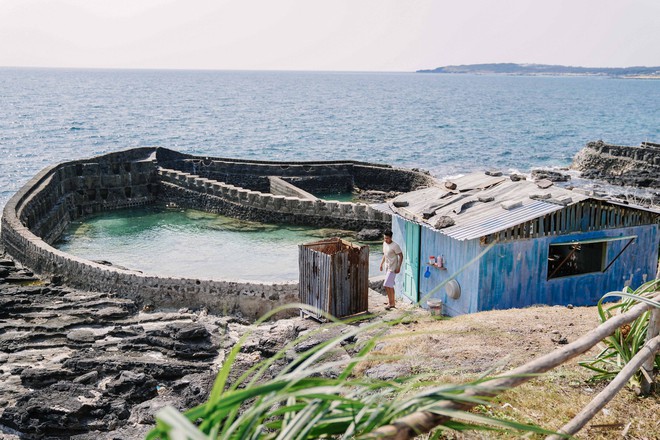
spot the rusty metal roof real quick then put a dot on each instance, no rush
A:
(481, 204)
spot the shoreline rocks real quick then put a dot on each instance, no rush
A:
(633, 166)
(94, 366)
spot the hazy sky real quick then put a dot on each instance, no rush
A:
(353, 35)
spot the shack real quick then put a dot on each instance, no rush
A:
(334, 278)
(497, 242)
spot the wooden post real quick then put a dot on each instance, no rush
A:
(647, 368)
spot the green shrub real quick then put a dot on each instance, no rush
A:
(626, 340)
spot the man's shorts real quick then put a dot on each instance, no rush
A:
(389, 280)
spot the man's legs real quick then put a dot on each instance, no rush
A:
(389, 288)
(390, 296)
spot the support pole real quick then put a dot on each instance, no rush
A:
(647, 368)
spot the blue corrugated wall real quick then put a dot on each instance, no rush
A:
(514, 274)
(457, 254)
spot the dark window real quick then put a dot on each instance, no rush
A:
(565, 260)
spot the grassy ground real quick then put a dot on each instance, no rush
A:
(467, 347)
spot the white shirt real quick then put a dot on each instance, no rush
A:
(391, 252)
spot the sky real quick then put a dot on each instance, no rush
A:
(327, 35)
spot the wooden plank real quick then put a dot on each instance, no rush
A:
(596, 225)
(552, 223)
(580, 216)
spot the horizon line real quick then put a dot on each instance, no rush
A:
(211, 69)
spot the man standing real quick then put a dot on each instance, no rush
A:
(392, 259)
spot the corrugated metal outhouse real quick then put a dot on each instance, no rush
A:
(334, 277)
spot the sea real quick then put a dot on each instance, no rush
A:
(446, 124)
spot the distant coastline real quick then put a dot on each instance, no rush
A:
(637, 72)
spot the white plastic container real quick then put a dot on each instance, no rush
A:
(435, 307)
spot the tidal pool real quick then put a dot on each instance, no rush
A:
(194, 244)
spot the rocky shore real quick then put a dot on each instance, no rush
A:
(80, 365)
(89, 365)
(630, 166)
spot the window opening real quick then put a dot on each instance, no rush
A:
(575, 259)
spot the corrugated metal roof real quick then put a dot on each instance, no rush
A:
(476, 181)
(476, 204)
(479, 226)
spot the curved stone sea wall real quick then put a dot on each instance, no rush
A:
(38, 213)
(212, 196)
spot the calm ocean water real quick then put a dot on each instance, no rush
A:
(444, 123)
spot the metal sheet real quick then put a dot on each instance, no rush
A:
(334, 277)
(473, 217)
(595, 240)
(479, 226)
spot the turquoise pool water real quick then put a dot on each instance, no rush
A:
(337, 197)
(189, 243)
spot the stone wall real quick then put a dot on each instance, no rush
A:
(281, 187)
(38, 213)
(208, 195)
(247, 299)
(323, 177)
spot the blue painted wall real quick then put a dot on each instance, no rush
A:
(457, 255)
(514, 274)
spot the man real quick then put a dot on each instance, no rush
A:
(392, 259)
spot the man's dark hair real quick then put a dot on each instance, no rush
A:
(387, 233)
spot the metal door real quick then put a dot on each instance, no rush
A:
(411, 262)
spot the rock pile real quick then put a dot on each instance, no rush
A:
(77, 362)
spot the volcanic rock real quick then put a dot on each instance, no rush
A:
(551, 175)
(444, 222)
(620, 165)
(369, 235)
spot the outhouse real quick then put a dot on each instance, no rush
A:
(334, 277)
(496, 242)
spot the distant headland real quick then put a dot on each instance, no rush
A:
(550, 70)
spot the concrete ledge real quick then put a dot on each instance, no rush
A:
(284, 188)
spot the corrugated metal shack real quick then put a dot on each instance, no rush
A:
(511, 243)
(334, 277)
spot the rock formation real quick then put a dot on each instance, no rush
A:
(620, 165)
(95, 366)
